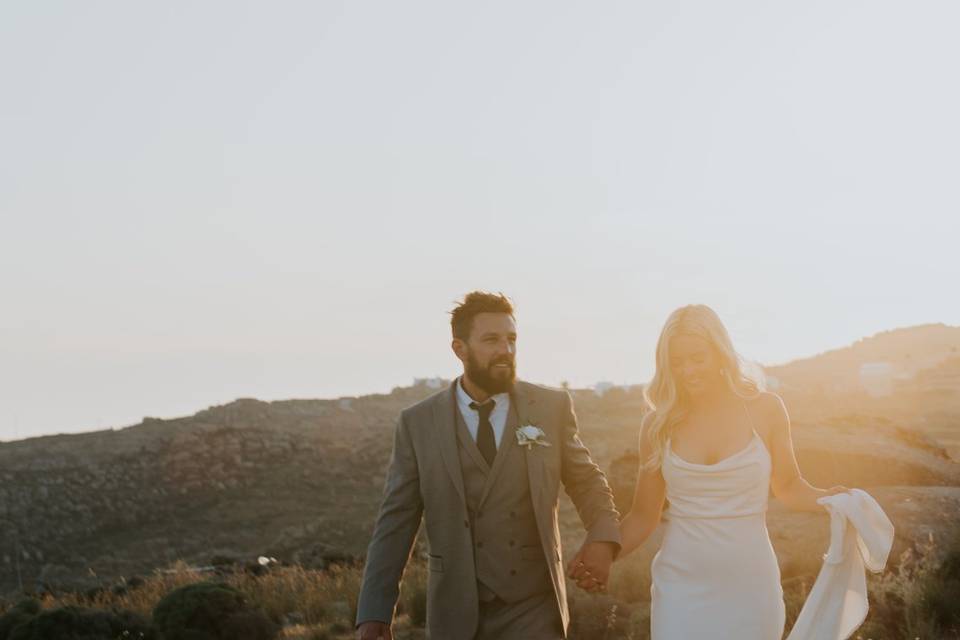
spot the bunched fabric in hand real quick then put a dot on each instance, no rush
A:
(861, 536)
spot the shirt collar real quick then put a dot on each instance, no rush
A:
(464, 398)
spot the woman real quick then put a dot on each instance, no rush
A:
(712, 445)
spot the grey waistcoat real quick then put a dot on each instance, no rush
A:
(507, 550)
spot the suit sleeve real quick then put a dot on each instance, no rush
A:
(394, 533)
(585, 483)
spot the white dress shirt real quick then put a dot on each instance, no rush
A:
(498, 418)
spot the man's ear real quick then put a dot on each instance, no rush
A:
(459, 348)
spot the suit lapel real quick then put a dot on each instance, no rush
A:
(523, 411)
(527, 414)
(543, 506)
(445, 426)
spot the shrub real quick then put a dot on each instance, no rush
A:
(413, 594)
(210, 611)
(251, 624)
(77, 623)
(221, 560)
(19, 614)
(941, 595)
(917, 597)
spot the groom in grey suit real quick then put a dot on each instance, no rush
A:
(481, 463)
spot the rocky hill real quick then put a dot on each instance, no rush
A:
(908, 351)
(301, 480)
(924, 383)
(293, 477)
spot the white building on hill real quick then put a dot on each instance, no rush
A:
(430, 383)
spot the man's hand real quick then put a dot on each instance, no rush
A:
(374, 630)
(591, 566)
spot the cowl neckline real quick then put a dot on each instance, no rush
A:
(725, 463)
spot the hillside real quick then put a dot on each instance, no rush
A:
(909, 351)
(301, 480)
(924, 391)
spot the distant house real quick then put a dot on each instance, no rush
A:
(430, 383)
(602, 387)
(876, 378)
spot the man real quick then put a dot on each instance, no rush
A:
(482, 462)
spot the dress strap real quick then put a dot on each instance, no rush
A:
(754, 428)
(749, 416)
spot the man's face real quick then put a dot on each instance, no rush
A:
(489, 353)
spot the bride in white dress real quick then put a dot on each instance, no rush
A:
(712, 446)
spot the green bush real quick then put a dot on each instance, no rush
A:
(950, 567)
(210, 611)
(251, 624)
(77, 623)
(942, 604)
(22, 612)
(941, 595)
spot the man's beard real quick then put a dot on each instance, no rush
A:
(490, 379)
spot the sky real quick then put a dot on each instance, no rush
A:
(206, 201)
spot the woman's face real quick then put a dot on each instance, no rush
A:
(695, 365)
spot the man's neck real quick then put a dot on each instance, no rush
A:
(474, 391)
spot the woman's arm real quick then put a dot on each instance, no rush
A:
(648, 498)
(636, 526)
(786, 480)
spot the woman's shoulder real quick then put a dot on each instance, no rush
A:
(766, 401)
(769, 413)
(646, 424)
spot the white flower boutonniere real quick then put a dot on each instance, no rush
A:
(529, 435)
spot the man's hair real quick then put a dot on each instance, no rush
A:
(461, 320)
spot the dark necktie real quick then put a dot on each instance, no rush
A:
(485, 440)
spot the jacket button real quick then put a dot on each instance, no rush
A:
(513, 572)
(511, 543)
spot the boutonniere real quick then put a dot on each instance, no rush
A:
(529, 435)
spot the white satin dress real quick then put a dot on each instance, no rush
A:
(716, 575)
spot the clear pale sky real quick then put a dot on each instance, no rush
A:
(205, 201)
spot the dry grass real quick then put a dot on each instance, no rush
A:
(906, 601)
(909, 600)
(312, 604)
(139, 600)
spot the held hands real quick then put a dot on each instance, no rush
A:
(374, 631)
(591, 566)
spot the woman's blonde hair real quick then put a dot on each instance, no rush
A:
(665, 399)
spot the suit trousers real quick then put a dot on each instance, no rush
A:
(535, 618)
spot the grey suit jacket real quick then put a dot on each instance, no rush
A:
(424, 480)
